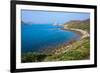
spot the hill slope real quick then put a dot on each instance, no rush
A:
(84, 25)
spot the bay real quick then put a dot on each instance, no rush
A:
(36, 37)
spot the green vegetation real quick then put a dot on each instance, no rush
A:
(84, 25)
(33, 57)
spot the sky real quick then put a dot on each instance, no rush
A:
(51, 17)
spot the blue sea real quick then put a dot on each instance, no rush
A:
(36, 37)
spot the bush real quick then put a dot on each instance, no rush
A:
(33, 57)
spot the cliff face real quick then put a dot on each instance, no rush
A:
(84, 25)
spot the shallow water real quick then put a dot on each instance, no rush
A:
(36, 37)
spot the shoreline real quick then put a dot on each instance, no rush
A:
(65, 47)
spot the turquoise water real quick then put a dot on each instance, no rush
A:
(36, 37)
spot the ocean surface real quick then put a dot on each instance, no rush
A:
(36, 37)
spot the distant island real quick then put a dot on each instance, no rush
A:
(73, 50)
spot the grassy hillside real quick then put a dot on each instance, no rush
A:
(84, 25)
(33, 57)
(80, 50)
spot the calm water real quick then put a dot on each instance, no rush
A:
(38, 36)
